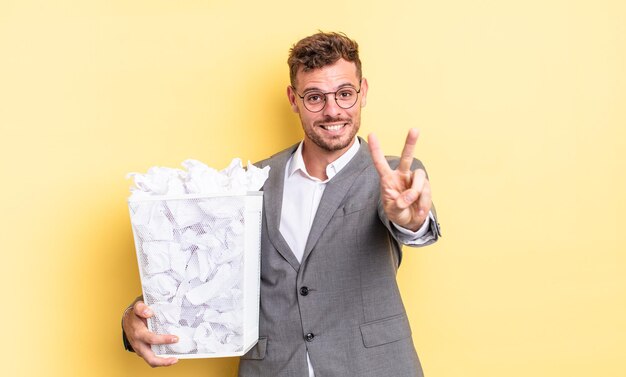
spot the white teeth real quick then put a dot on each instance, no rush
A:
(335, 127)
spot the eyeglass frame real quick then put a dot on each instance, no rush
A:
(334, 96)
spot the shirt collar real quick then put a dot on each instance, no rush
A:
(296, 162)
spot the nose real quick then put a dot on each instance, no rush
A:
(331, 108)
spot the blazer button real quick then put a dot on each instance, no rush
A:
(304, 291)
(309, 337)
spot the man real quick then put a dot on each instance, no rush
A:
(335, 215)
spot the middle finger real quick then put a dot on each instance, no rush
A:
(406, 158)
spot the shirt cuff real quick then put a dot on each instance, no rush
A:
(419, 237)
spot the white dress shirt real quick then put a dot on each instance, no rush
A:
(301, 197)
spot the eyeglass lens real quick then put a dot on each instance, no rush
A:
(316, 100)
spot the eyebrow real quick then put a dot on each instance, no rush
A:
(316, 89)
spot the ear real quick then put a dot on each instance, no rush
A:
(291, 96)
(364, 88)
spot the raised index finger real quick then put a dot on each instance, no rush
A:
(406, 159)
(380, 162)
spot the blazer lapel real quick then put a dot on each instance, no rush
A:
(272, 205)
(334, 195)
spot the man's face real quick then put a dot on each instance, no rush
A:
(332, 129)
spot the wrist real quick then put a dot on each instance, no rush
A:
(414, 226)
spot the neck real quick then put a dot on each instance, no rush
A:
(317, 159)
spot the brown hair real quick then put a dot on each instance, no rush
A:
(322, 49)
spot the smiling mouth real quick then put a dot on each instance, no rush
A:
(333, 127)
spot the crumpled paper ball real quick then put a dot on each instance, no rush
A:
(198, 178)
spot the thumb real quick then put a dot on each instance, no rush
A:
(142, 310)
(406, 198)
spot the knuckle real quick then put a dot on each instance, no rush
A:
(144, 336)
(135, 326)
(388, 179)
(139, 307)
(152, 338)
(140, 351)
(401, 203)
(157, 339)
(149, 357)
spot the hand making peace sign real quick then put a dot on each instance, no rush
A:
(405, 194)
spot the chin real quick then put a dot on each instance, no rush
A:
(335, 145)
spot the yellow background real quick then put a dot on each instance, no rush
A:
(521, 106)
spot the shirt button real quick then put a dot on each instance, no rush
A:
(309, 337)
(304, 291)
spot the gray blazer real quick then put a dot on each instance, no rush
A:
(341, 303)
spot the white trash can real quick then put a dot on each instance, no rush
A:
(199, 262)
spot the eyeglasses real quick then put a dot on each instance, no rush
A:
(315, 100)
